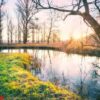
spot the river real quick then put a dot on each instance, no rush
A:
(80, 74)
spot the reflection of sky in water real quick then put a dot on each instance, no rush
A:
(72, 68)
(71, 65)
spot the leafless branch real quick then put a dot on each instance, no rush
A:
(98, 7)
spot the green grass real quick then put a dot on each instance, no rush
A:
(16, 83)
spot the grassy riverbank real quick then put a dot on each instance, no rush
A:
(16, 83)
(85, 50)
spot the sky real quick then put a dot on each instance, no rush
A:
(10, 7)
(73, 26)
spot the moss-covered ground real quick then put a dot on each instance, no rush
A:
(17, 83)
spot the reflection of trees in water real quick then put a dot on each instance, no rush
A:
(83, 83)
(19, 50)
(94, 86)
(65, 81)
(57, 79)
(82, 88)
(12, 50)
(43, 59)
(55, 53)
(25, 50)
(36, 63)
(53, 76)
(40, 64)
(89, 84)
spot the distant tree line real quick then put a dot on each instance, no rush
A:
(28, 26)
(27, 29)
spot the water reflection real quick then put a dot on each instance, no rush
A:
(36, 64)
(80, 74)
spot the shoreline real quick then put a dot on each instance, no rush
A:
(84, 51)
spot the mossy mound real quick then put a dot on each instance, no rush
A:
(16, 83)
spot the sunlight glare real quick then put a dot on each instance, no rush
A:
(77, 36)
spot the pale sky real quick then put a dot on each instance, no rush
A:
(73, 26)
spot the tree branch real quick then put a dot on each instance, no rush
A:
(86, 6)
(97, 6)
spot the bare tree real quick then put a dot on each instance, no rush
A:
(8, 35)
(10, 30)
(37, 28)
(2, 2)
(44, 32)
(33, 35)
(76, 8)
(50, 29)
(56, 37)
(19, 28)
(27, 10)
(34, 27)
(53, 18)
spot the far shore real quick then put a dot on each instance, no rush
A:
(85, 50)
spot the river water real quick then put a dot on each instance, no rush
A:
(80, 74)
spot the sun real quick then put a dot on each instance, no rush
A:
(66, 36)
(77, 36)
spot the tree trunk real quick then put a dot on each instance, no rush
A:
(11, 38)
(19, 33)
(94, 24)
(50, 30)
(0, 33)
(8, 37)
(33, 32)
(19, 37)
(24, 38)
(0, 27)
(25, 34)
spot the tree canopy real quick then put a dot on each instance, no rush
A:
(89, 10)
